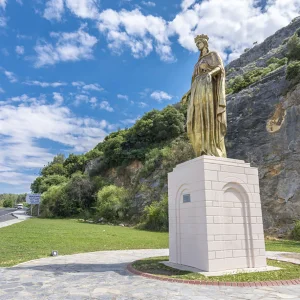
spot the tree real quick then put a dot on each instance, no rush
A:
(51, 180)
(74, 163)
(80, 190)
(35, 186)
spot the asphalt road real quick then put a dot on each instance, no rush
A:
(5, 211)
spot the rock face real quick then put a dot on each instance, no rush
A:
(264, 129)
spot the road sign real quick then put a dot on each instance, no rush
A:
(33, 198)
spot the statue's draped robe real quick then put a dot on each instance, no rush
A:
(206, 116)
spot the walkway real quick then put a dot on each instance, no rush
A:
(103, 275)
(20, 216)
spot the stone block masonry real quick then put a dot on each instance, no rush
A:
(215, 217)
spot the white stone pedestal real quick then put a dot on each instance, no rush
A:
(215, 218)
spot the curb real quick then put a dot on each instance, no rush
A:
(131, 269)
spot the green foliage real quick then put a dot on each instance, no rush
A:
(8, 203)
(35, 186)
(111, 203)
(293, 47)
(54, 202)
(74, 163)
(9, 200)
(293, 71)
(69, 197)
(156, 216)
(296, 231)
(51, 180)
(93, 154)
(240, 82)
(277, 61)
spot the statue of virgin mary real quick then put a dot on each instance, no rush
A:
(206, 115)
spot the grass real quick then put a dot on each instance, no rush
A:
(153, 266)
(35, 238)
(283, 245)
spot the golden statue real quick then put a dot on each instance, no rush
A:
(206, 114)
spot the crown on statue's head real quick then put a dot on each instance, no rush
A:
(201, 37)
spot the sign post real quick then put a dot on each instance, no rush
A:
(34, 199)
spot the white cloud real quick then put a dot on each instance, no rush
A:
(20, 50)
(93, 87)
(185, 4)
(3, 3)
(45, 84)
(106, 106)
(54, 10)
(58, 99)
(2, 90)
(25, 99)
(143, 104)
(148, 3)
(3, 21)
(160, 96)
(78, 83)
(81, 8)
(23, 126)
(239, 30)
(140, 33)
(71, 46)
(10, 75)
(81, 98)
(124, 97)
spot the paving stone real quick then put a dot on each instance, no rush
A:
(103, 275)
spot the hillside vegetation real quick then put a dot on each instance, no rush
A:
(93, 185)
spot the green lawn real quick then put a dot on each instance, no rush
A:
(283, 246)
(153, 266)
(36, 238)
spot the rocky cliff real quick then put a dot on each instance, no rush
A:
(264, 129)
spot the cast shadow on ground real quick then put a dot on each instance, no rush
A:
(78, 268)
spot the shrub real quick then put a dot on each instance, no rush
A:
(111, 203)
(296, 231)
(156, 216)
(8, 203)
(240, 82)
(293, 70)
(293, 47)
(279, 62)
(54, 202)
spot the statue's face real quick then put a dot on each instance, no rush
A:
(200, 45)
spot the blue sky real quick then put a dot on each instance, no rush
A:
(72, 71)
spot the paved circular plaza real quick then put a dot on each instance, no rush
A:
(103, 275)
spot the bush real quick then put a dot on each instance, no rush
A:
(296, 231)
(293, 47)
(240, 82)
(54, 202)
(156, 216)
(293, 71)
(111, 203)
(8, 203)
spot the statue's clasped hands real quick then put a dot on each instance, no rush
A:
(209, 77)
